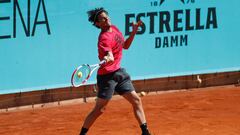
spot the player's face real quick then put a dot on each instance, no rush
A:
(103, 21)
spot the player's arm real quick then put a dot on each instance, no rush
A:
(129, 40)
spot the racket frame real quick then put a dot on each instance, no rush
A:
(91, 68)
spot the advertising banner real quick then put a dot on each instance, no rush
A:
(43, 41)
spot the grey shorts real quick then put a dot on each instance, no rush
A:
(118, 81)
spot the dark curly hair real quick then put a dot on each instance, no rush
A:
(93, 15)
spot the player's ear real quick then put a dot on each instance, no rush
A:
(97, 24)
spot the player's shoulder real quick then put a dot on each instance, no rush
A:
(103, 36)
(106, 35)
(115, 27)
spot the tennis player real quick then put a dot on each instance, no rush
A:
(110, 76)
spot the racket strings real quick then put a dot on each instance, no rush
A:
(81, 75)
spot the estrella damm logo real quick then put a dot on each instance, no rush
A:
(170, 26)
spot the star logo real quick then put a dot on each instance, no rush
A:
(161, 1)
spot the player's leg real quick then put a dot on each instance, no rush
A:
(94, 114)
(106, 88)
(126, 89)
(136, 102)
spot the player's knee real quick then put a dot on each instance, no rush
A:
(137, 102)
(100, 110)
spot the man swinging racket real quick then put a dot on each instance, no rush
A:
(110, 76)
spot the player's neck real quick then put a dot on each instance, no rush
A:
(107, 29)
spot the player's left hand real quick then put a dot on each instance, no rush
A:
(136, 25)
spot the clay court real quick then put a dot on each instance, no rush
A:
(203, 111)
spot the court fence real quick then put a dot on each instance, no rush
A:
(86, 92)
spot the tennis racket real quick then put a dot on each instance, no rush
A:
(82, 73)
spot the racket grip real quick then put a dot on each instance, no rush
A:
(102, 62)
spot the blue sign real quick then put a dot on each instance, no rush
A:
(42, 42)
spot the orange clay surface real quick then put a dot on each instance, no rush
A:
(204, 111)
